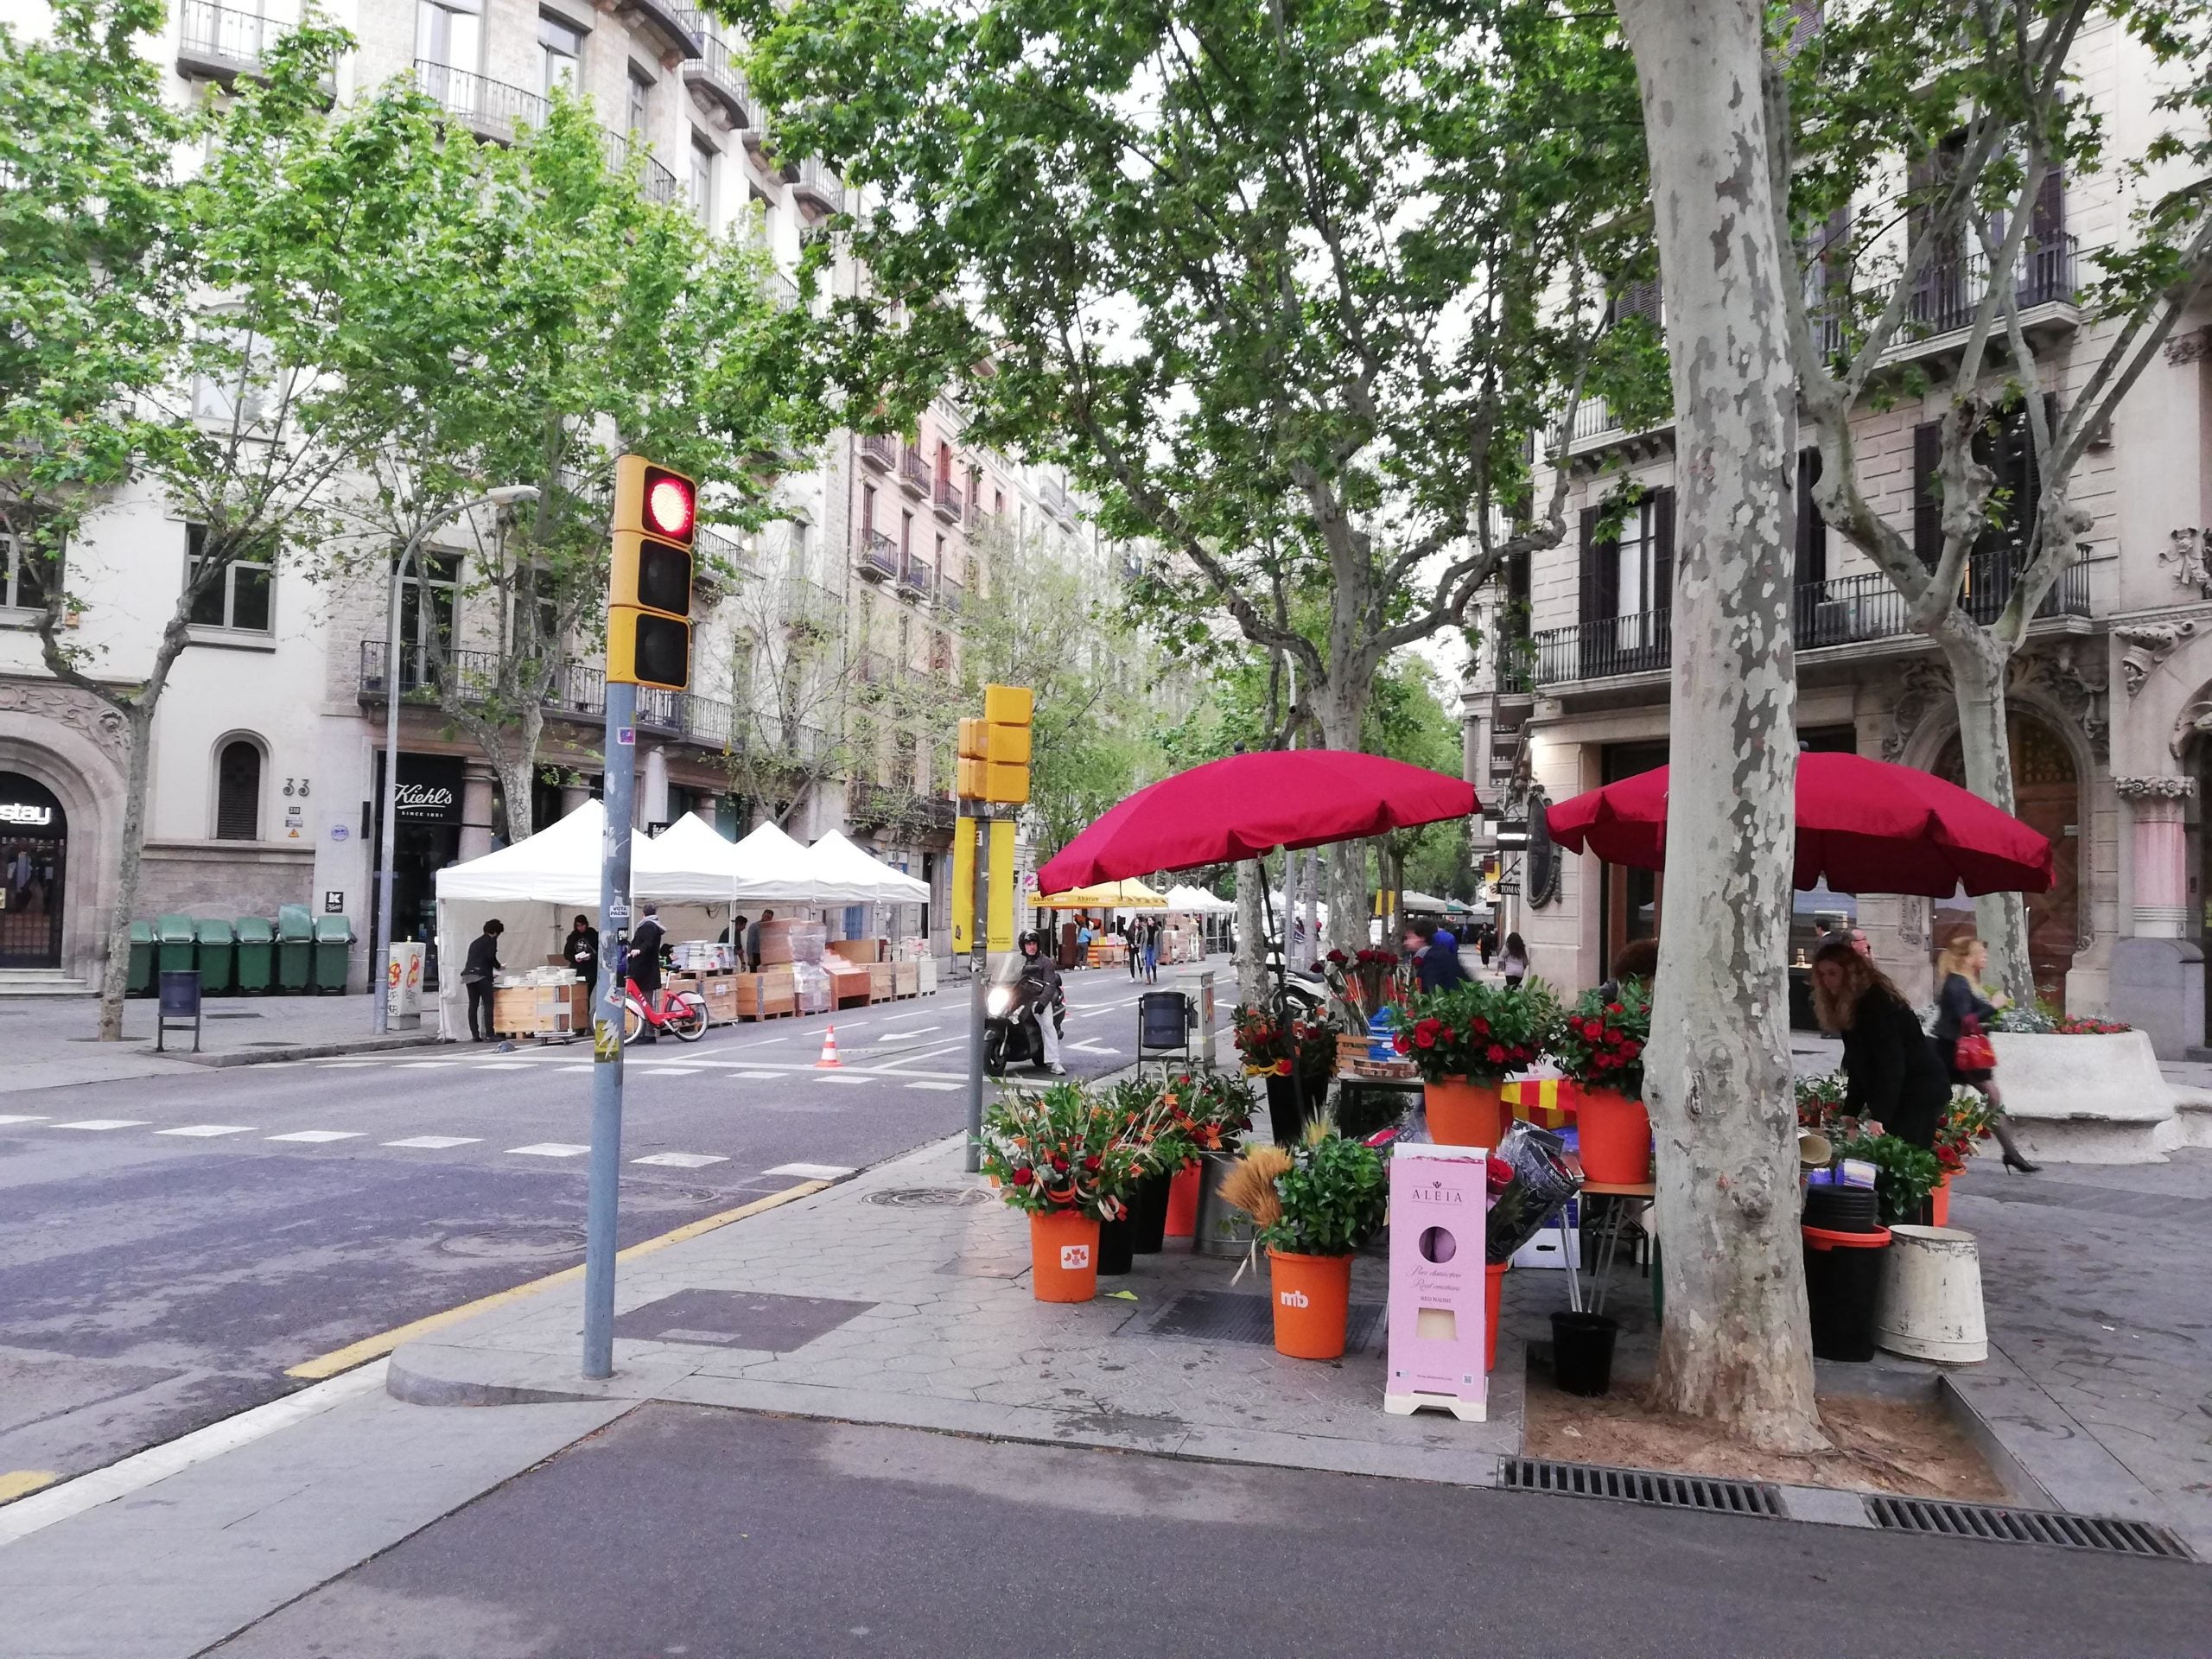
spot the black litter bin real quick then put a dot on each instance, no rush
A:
(333, 945)
(1843, 1279)
(257, 954)
(142, 959)
(216, 950)
(295, 947)
(174, 945)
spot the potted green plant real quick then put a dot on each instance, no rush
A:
(1329, 1201)
(1466, 1041)
(1149, 1113)
(1968, 1121)
(1062, 1157)
(1211, 1109)
(1600, 1045)
(1903, 1174)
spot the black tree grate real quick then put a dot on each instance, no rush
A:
(1643, 1486)
(1999, 1524)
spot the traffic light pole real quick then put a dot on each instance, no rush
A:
(601, 1208)
(979, 974)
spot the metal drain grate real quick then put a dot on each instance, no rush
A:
(2001, 1525)
(1642, 1486)
(1228, 1316)
(923, 1198)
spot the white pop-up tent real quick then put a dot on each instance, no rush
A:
(769, 866)
(847, 875)
(1196, 901)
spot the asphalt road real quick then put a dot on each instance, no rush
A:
(173, 1245)
(688, 1531)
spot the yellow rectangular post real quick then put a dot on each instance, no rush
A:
(960, 897)
(999, 875)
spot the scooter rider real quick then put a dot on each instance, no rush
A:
(1040, 988)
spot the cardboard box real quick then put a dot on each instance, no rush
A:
(787, 941)
(860, 951)
(850, 983)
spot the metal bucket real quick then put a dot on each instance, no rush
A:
(1222, 1230)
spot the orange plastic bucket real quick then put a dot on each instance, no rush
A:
(1062, 1256)
(1464, 1114)
(1182, 1204)
(1493, 1293)
(1939, 1203)
(1312, 1298)
(1616, 1135)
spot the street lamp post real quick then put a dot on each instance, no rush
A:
(380, 942)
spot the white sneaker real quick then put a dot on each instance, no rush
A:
(1057, 1071)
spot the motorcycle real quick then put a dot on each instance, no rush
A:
(1011, 1033)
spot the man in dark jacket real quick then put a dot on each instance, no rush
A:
(580, 951)
(1436, 955)
(476, 972)
(643, 964)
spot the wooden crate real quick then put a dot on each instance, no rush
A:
(906, 978)
(882, 981)
(863, 951)
(537, 1010)
(718, 990)
(850, 984)
(768, 995)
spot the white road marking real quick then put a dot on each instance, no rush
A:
(1092, 1013)
(670, 1071)
(552, 1149)
(106, 1123)
(30, 1118)
(916, 1031)
(810, 1171)
(1089, 1047)
(344, 1065)
(437, 1142)
(838, 1076)
(681, 1159)
(425, 1065)
(28, 1514)
(208, 1131)
(941, 1087)
(316, 1137)
(502, 1065)
(759, 1077)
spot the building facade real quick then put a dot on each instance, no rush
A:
(2110, 693)
(267, 746)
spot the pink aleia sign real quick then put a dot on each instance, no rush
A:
(1438, 1200)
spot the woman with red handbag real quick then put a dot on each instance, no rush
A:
(1959, 1009)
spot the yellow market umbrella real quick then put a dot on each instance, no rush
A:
(1107, 895)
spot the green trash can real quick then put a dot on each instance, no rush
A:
(333, 945)
(142, 960)
(217, 950)
(257, 953)
(173, 944)
(295, 947)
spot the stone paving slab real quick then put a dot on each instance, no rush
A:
(970, 1350)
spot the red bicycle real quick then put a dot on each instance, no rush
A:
(683, 1013)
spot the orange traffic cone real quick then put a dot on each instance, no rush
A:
(829, 1052)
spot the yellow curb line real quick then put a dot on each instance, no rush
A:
(344, 1359)
(17, 1482)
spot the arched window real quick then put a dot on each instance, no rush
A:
(238, 791)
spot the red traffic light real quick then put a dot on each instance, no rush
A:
(669, 508)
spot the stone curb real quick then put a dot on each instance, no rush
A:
(296, 1052)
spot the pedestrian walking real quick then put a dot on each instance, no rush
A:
(1487, 944)
(1962, 1007)
(1891, 1069)
(1435, 956)
(1132, 933)
(1151, 951)
(1638, 960)
(1513, 962)
(580, 951)
(752, 941)
(643, 965)
(476, 974)
(1083, 942)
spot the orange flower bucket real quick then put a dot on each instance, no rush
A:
(1616, 1136)
(1312, 1298)
(1062, 1256)
(1464, 1114)
(1182, 1204)
(1493, 1294)
(1939, 1202)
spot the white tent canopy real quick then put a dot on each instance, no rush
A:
(845, 875)
(1198, 901)
(559, 865)
(688, 861)
(1428, 902)
(768, 866)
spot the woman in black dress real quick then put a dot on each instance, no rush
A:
(1958, 969)
(1892, 1072)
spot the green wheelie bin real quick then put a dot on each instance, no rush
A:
(218, 951)
(142, 960)
(334, 944)
(257, 954)
(295, 947)
(174, 945)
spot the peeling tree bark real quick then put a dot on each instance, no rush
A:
(1736, 1348)
(1251, 933)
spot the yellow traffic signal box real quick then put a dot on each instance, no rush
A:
(649, 588)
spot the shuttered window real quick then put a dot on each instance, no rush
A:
(238, 792)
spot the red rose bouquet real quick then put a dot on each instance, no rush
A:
(1363, 983)
(1600, 1043)
(1481, 1032)
(1066, 1148)
(1270, 1045)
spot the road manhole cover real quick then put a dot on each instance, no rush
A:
(513, 1243)
(925, 1198)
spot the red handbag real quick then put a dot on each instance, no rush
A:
(1972, 1051)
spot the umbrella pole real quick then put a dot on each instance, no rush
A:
(1282, 993)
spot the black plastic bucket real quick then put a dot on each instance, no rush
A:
(1148, 1214)
(1285, 1121)
(1582, 1351)
(1843, 1280)
(1841, 1209)
(1114, 1238)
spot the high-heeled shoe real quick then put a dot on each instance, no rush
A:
(2016, 1164)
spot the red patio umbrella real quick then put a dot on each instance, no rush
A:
(1248, 804)
(1865, 826)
